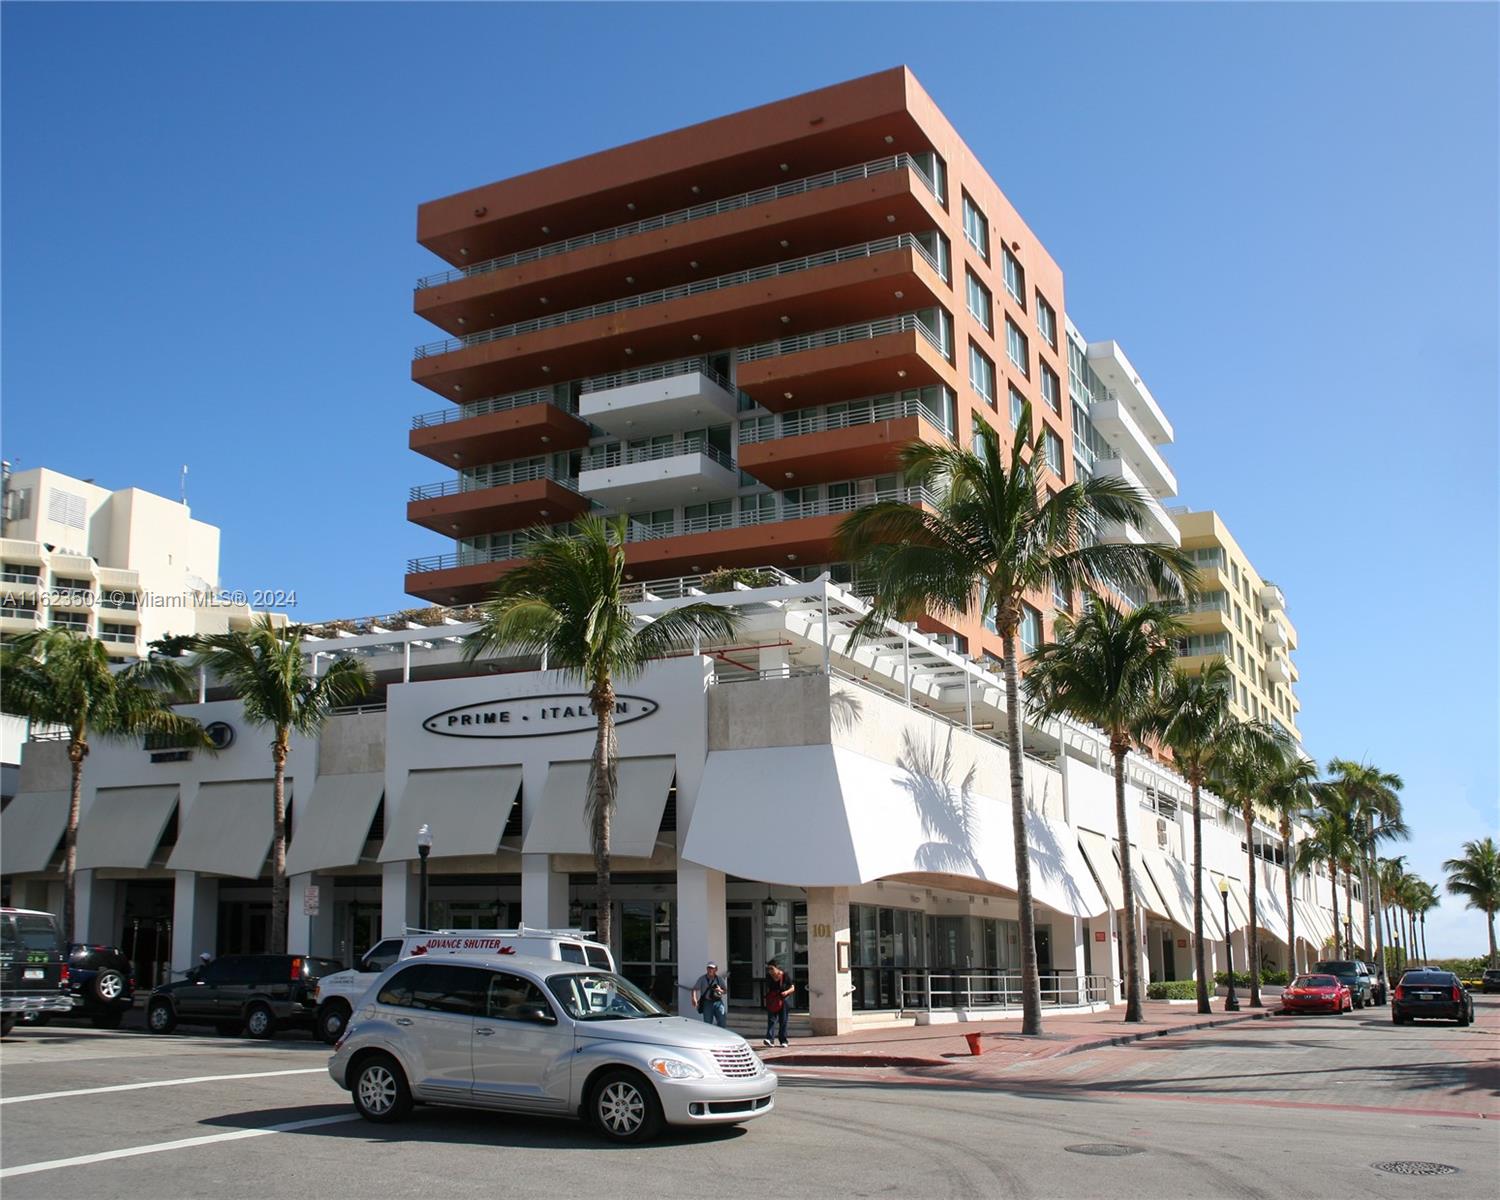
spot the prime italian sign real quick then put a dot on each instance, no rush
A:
(532, 716)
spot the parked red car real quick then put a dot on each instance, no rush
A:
(1316, 993)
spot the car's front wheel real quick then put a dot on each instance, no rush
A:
(624, 1107)
(380, 1090)
(161, 1017)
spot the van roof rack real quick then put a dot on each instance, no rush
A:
(520, 931)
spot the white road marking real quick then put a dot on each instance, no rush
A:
(84, 1160)
(135, 1087)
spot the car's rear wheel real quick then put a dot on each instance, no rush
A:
(333, 1019)
(7, 1023)
(260, 1021)
(1463, 1019)
(107, 1020)
(380, 1090)
(108, 986)
(35, 1018)
(161, 1017)
(624, 1107)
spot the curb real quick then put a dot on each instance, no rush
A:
(854, 1060)
(1125, 1039)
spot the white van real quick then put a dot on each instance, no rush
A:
(338, 994)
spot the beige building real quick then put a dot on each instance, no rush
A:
(1238, 615)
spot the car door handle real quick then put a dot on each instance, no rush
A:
(403, 1020)
(484, 1032)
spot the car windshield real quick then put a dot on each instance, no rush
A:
(1315, 981)
(601, 996)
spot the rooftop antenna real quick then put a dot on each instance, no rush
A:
(182, 485)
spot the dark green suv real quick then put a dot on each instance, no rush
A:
(257, 993)
(33, 966)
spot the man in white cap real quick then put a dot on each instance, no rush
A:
(710, 996)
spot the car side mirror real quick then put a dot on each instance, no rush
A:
(539, 1014)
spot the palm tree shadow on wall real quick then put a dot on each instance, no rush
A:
(1047, 859)
(945, 806)
(844, 709)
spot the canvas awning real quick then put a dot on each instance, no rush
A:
(1313, 923)
(123, 826)
(1270, 908)
(1239, 905)
(858, 819)
(227, 830)
(1175, 887)
(30, 828)
(1103, 858)
(466, 809)
(561, 826)
(333, 821)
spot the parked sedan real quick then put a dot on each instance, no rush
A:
(1429, 994)
(1490, 982)
(1316, 993)
(102, 984)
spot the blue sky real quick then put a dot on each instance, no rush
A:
(1285, 214)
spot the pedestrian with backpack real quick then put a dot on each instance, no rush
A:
(779, 989)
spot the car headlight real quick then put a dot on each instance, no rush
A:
(675, 1068)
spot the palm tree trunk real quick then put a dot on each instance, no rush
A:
(1252, 932)
(1200, 959)
(1287, 849)
(278, 842)
(1349, 909)
(602, 781)
(1120, 748)
(1364, 877)
(1493, 958)
(1333, 883)
(1372, 886)
(1031, 987)
(77, 751)
(1422, 919)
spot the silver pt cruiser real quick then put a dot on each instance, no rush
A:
(539, 1036)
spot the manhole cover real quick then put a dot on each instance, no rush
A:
(1408, 1167)
(1103, 1149)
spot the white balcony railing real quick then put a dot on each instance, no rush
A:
(839, 416)
(864, 331)
(499, 475)
(490, 404)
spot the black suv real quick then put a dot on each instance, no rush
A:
(1353, 974)
(1430, 993)
(33, 970)
(102, 984)
(257, 993)
(1490, 982)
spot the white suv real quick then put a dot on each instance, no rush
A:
(337, 995)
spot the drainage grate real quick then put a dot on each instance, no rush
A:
(1103, 1149)
(1409, 1167)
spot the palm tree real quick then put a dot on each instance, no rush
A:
(1425, 899)
(1288, 792)
(1476, 877)
(1378, 810)
(1409, 896)
(1389, 874)
(268, 671)
(1330, 844)
(992, 533)
(567, 602)
(1192, 720)
(1252, 752)
(54, 677)
(1107, 669)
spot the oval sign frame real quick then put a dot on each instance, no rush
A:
(528, 716)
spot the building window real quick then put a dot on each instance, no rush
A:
(1062, 597)
(1015, 277)
(937, 248)
(1017, 408)
(979, 431)
(1031, 630)
(982, 374)
(1046, 321)
(1054, 448)
(981, 307)
(1016, 347)
(936, 171)
(939, 323)
(976, 228)
(1051, 389)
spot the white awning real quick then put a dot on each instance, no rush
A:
(333, 821)
(1314, 922)
(1239, 905)
(227, 830)
(123, 826)
(466, 808)
(1175, 887)
(1270, 908)
(1097, 849)
(1060, 878)
(1146, 894)
(560, 825)
(30, 828)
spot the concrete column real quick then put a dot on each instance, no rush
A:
(96, 918)
(1113, 968)
(305, 934)
(195, 919)
(702, 932)
(399, 897)
(832, 1001)
(1080, 964)
(544, 893)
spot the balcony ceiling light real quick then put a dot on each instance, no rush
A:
(900, 374)
(630, 279)
(546, 229)
(457, 457)
(785, 243)
(791, 558)
(694, 264)
(900, 295)
(545, 439)
(791, 475)
(697, 337)
(889, 139)
(628, 350)
(454, 528)
(630, 204)
(545, 512)
(890, 218)
(541, 299)
(458, 387)
(786, 320)
(461, 321)
(786, 395)
(463, 250)
(546, 370)
(785, 167)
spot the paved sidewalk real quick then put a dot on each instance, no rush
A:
(1001, 1042)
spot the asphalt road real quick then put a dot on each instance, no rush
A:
(1173, 1122)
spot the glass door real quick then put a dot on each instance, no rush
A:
(744, 971)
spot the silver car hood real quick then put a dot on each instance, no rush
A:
(661, 1031)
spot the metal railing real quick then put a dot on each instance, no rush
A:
(601, 459)
(666, 370)
(128, 639)
(490, 404)
(709, 208)
(510, 474)
(839, 416)
(926, 990)
(350, 710)
(791, 266)
(19, 612)
(20, 577)
(865, 330)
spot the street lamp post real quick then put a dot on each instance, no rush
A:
(424, 848)
(1231, 1001)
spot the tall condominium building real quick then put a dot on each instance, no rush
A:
(1239, 616)
(728, 332)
